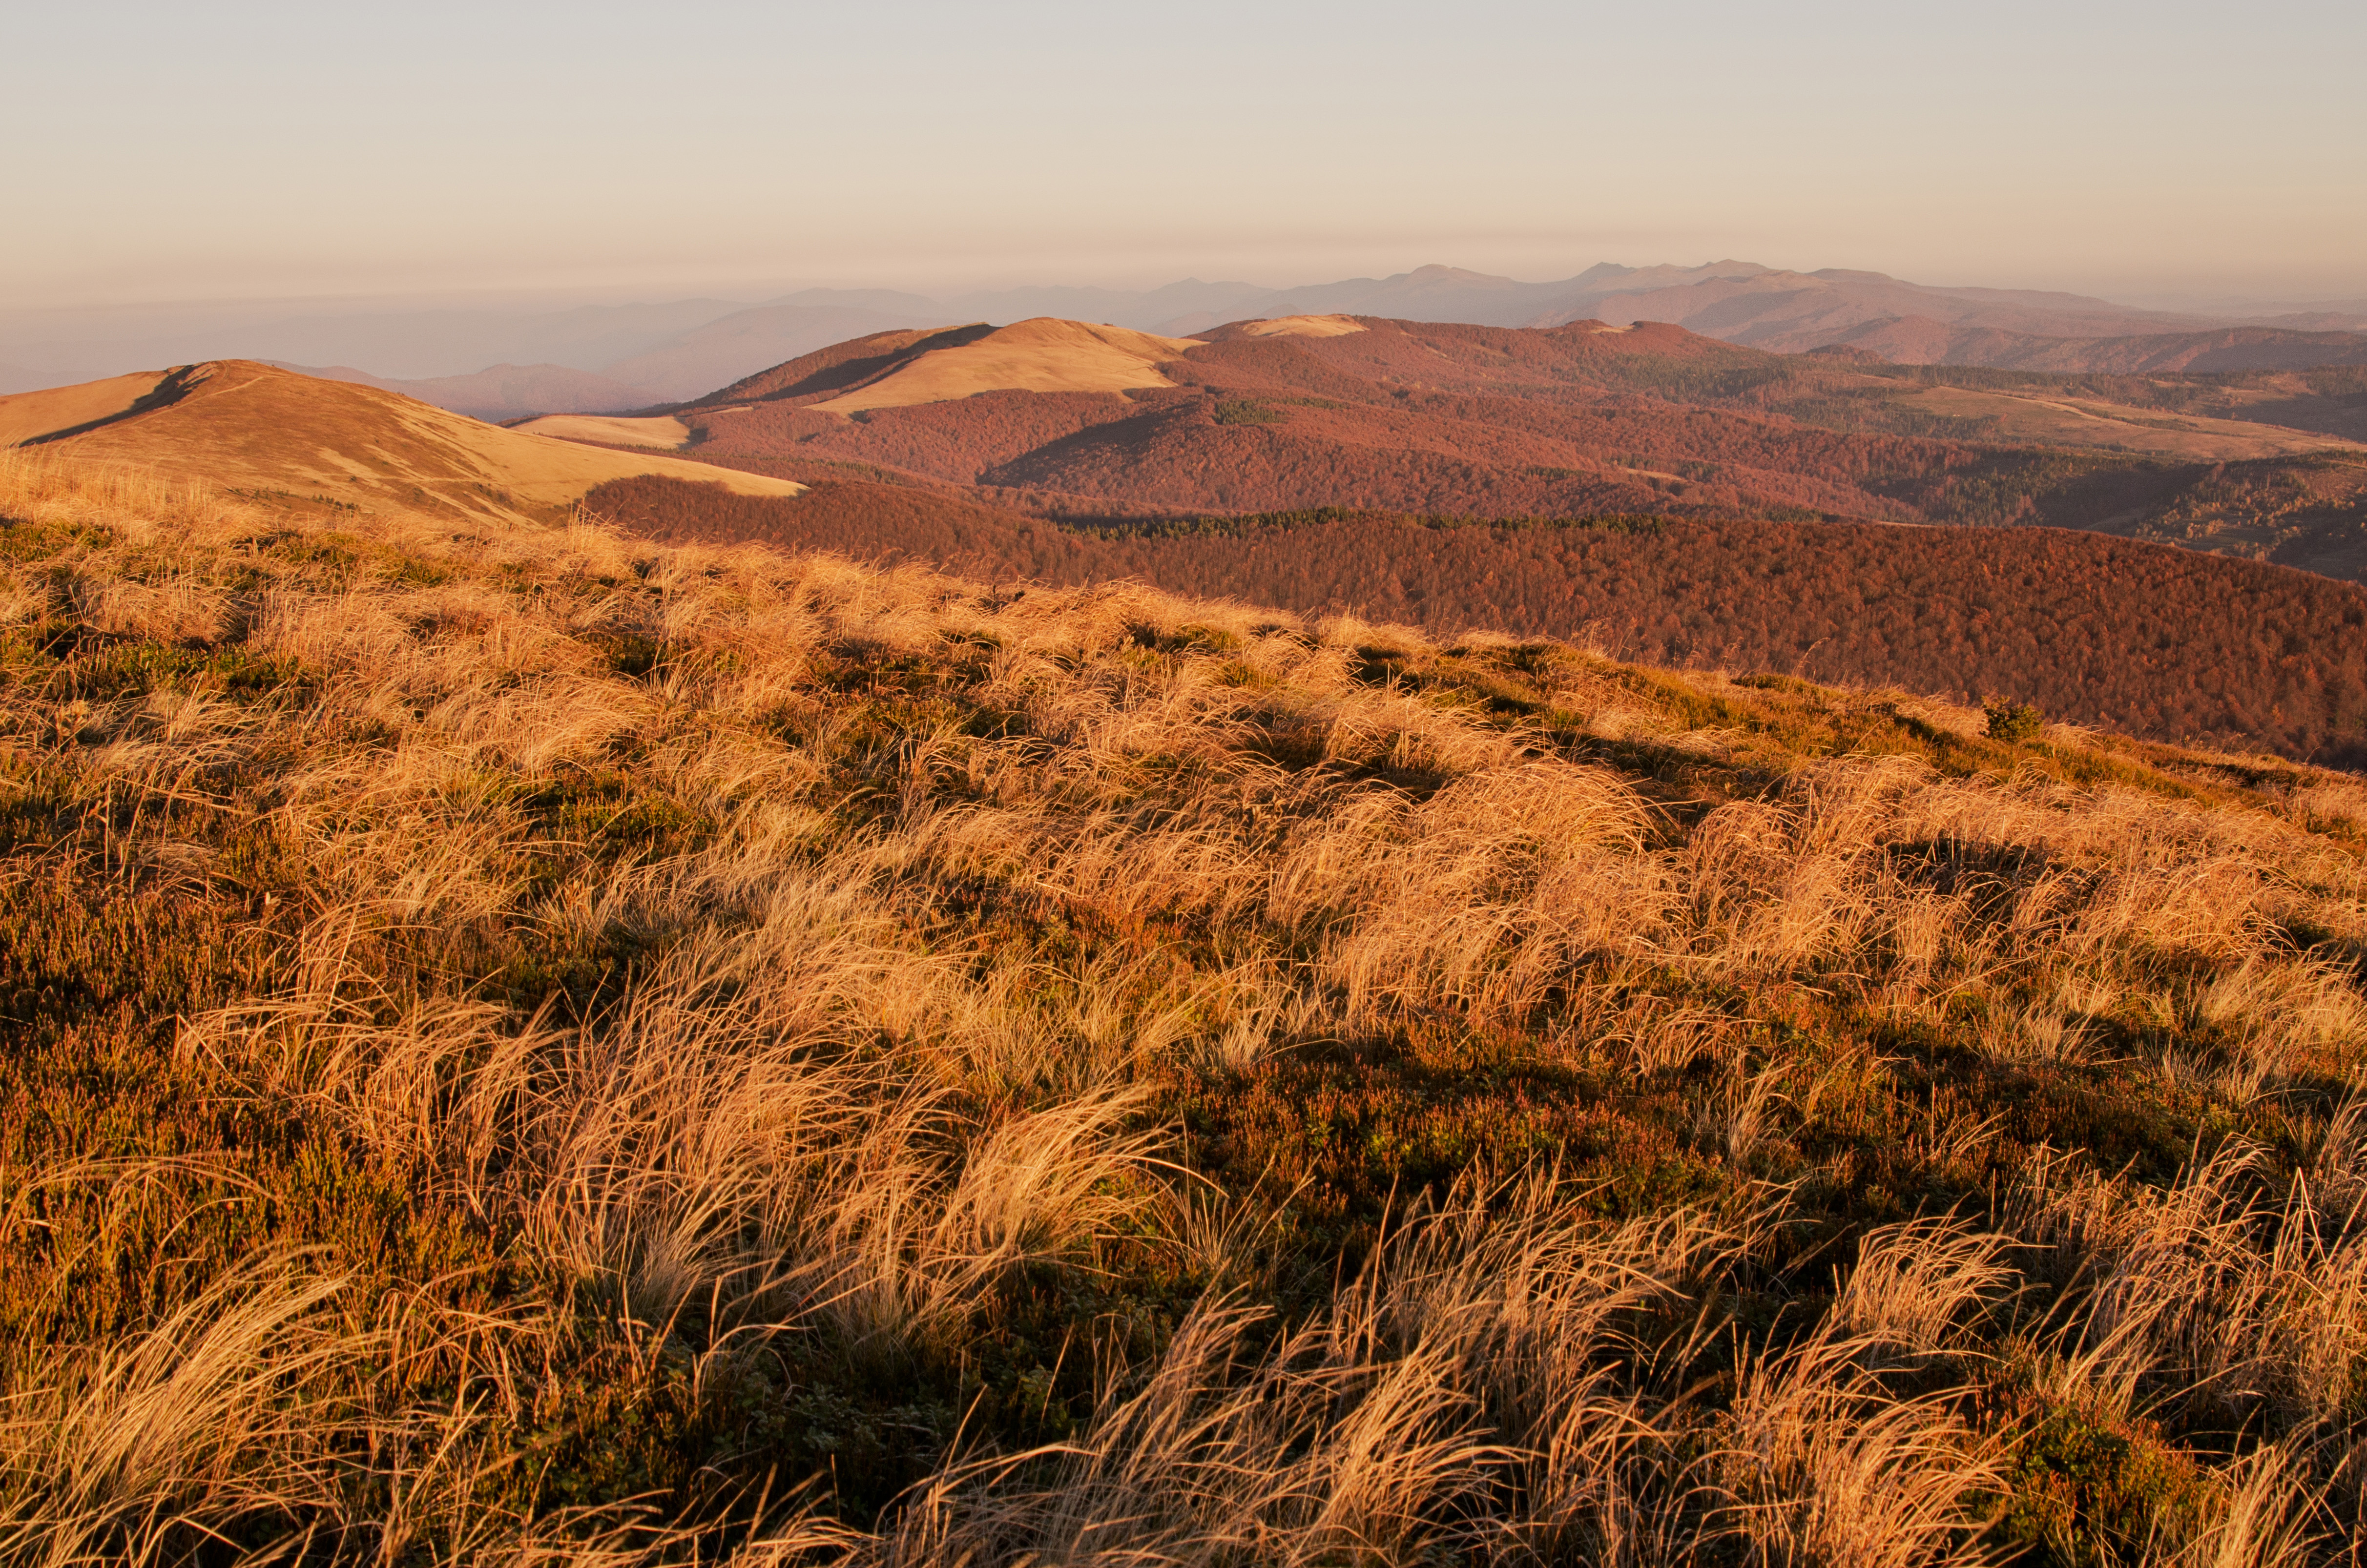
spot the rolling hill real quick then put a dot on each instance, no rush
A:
(1919, 339)
(730, 347)
(1038, 355)
(1581, 420)
(1792, 313)
(1738, 300)
(253, 427)
(900, 369)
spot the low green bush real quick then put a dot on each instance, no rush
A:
(2010, 721)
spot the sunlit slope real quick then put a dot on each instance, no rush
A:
(1301, 326)
(611, 430)
(837, 368)
(1041, 355)
(242, 425)
(903, 369)
(525, 1046)
(29, 416)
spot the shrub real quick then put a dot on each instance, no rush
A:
(2010, 721)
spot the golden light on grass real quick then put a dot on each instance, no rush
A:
(536, 1046)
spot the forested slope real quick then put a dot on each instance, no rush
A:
(1581, 420)
(2142, 638)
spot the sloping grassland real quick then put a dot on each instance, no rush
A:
(538, 1046)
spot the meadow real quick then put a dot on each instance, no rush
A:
(534, 1045)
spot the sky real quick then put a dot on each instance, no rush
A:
(2164, 154)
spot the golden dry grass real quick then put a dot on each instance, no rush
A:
(253, 427)
(1043, 355)
(24, 415)
(1302, 326)
(612, 430)
(533, 1047)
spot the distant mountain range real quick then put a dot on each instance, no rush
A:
(498, 393)
(610, 358)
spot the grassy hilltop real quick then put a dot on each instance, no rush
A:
(529, 1046)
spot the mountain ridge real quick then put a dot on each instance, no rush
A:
(245, 425)
(1919, 339)
(679, 350)
(1578, 420)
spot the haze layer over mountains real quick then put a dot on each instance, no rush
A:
(506, 363)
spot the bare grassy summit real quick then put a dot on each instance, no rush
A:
(273, 433)
(534, 1046)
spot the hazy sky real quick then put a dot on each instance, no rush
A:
(599, 149)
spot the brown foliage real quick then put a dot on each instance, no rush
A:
(2150, 640)
(955, 442)
(1576, 420)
